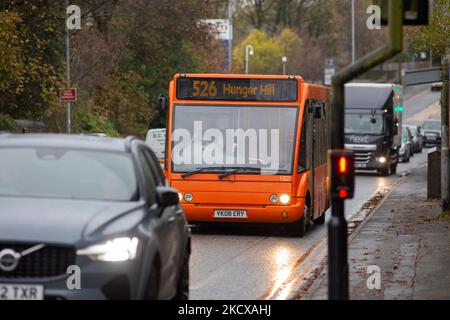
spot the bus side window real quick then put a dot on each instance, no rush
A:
(303, 159)
(321, 142)
(318, 139)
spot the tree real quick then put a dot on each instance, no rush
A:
(35, 42)
(436, 35)
(127, 54)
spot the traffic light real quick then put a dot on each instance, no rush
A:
(415, 12)
(342, 173)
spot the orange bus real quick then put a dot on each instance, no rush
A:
(244, 148)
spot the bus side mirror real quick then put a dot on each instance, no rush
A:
(161, 102)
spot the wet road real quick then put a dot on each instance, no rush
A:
(253, 262)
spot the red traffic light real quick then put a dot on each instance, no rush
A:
(342, 174)
(343, 193)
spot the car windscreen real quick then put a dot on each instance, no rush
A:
(431, 125)
(67, 174)
(405, 135)
(413, 131)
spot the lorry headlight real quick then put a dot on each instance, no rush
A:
(119, 249)
(284, 199)
(382, 160)
(188, 197)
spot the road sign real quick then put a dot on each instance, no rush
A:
(221, 28)
(328, 74)
(68, 95)
(422, 76)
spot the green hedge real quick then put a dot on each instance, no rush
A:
(7, 123)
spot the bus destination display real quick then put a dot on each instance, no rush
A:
(237, 89)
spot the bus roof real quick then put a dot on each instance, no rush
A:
(234, 76)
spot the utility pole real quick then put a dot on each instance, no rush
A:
(337, 227)
(444, 134)
(230, 41)
(353, 33)
(66, 5)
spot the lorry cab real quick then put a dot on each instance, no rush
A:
(373, 121)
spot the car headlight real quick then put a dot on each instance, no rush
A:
(119, 249)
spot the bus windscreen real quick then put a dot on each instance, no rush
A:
(264, 90)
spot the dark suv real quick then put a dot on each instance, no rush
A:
(88, 218)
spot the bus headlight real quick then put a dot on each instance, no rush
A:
(188, 197)
(274, 198)
(284, 199)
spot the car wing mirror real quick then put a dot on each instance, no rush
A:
(167, 197)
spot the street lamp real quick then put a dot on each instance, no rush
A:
(248, 51)
(284, 61)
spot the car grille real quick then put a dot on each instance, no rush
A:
(50, 261)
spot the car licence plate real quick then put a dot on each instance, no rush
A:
(360, 165)
(21, 292)
(230, 214)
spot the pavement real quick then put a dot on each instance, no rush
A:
(406, 241)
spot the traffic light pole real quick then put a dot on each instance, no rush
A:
(337, 227)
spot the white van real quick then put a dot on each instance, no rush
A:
(156, 140)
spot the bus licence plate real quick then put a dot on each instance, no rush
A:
(230, 214)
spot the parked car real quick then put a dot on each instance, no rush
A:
(101, 205)
(417, 138)
(406, 149)
(437, 86)
(431, 130)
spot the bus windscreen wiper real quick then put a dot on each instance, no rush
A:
(203, 169)
(235, 170)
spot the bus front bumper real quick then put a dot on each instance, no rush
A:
(253, 213)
